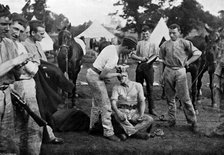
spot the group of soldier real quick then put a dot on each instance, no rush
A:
(24, 66)
(24, 69)
(127, 103)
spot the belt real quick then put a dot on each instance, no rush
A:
(96, 70)
(174, 68)
(4, 87)
(125, 106)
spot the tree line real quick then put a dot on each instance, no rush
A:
(188, 14)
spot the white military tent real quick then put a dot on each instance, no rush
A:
(160, 31)
(46, 43)
(96, 30)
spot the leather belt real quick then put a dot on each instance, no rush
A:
(174, 68)
(96, 70)
(4, 87)
(125, 106)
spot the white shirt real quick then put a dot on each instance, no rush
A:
(107, 59)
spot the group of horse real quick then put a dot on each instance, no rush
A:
(70, 59)
(211, 53)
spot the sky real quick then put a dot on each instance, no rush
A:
(80, 11)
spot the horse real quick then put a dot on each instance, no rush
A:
(207, 62)
(69, 57)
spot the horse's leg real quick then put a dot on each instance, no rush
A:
(75, 71)
(194, 89)
(55, 55)
(61, 65)
(211, 88)
(211, 71)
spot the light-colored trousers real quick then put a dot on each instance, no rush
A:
(175, 84)
(131, 125)
(101, 104)
(28, 133)
(7, 123)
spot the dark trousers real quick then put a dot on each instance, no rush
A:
(146, 72)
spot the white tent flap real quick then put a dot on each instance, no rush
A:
(161, 30)
(47, 43)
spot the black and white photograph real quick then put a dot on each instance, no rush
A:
(111, 77)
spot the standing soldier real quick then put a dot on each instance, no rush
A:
(9, 59)
(174, 55)
(145, 71)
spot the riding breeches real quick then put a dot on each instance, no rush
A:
(175, 84)
(101, 103)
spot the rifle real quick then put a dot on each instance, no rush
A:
(19, 102)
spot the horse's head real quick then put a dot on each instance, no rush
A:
(64, 38)
(212, 40)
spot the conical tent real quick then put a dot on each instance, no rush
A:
(161, 31)
(96, 30)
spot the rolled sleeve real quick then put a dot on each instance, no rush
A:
(191, 48)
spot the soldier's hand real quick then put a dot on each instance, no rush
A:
(186, 64)
(144, 59)
(23, 58)
(140, 119)
(121, 116)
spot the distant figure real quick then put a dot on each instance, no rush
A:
(102, 44)
(93, 44)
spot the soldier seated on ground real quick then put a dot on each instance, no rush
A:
(128, 104)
